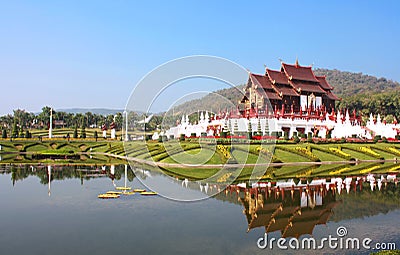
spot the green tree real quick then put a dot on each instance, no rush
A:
(118, 120)
(83, 132)
(21, 132)
(14, 132)
(44, 116)
(75, 135)
(4, 134)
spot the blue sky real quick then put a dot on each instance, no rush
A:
(92, 53)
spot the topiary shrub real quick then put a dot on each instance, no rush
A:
(4, 134)
(182, 137)
(286, 135)
(75, 135)
(296, 139)
(377, 138)
(83, 132)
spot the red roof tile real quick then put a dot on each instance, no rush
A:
(277, 76)
(332, 96)
(309, 87)
(261, 81)
(297, 72)
(285, 91)
(273, 96)
(324, 84)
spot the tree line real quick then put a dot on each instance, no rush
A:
(386, 104)
(20, 122)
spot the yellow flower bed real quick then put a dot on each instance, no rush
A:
(369, 151)
(224, 177)
(263, 150)
(339, 171)
(305, 174)
(339, 152)
(395, 168)
(368, 170)
(394, 150)
(307, 153)
(224, 150)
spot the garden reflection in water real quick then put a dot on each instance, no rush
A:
(55, 209)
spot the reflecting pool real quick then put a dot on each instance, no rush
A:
(55, 210)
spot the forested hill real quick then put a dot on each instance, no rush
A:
(220, 100)
(348, 84)
(364, 93)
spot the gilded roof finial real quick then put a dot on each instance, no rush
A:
(297, 62)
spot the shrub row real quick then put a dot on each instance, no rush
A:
(302, 152)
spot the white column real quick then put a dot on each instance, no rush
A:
(51, 124)
(126, 125)
(126, 175)
(49, 174)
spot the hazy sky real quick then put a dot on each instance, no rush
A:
(92, 53)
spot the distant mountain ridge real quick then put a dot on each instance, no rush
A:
(102, 111)
(349, 84)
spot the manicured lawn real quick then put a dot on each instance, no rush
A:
(286, 156)
(323, 156)
(196, 153)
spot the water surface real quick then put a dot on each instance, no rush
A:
(66, 217)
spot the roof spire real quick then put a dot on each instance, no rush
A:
(297, 62)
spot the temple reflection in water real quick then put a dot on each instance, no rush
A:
(293, 212)
(295, 209)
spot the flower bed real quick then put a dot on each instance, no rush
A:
(268, 154)
(369, 170)
(224, 178)
(339, 171)
(302, 152)
(369, 151)
(394, 151)
(224, 150)
(340, 153)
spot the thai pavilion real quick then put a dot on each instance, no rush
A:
(290, 101)
(294, 89)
